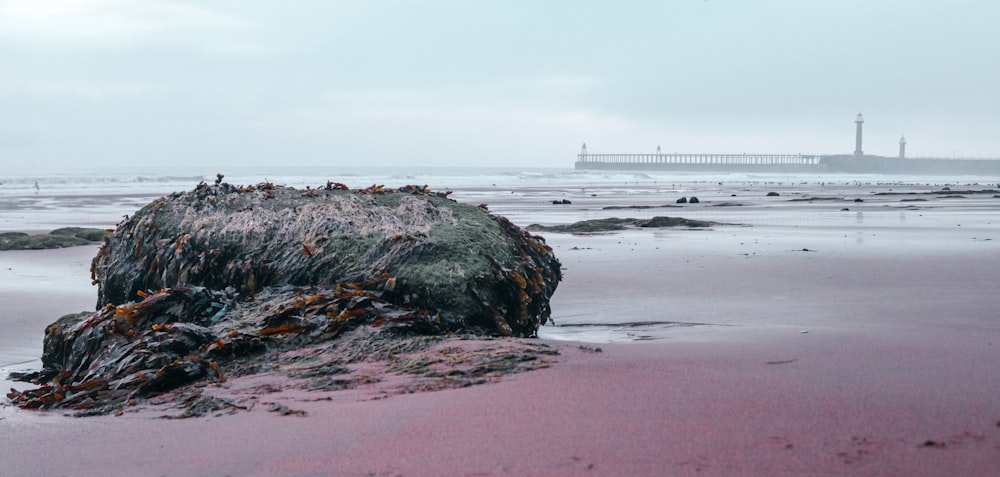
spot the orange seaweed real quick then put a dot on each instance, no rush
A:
(283, 329)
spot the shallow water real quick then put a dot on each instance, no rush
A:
(629, 285)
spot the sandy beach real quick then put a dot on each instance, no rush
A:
(793, 337)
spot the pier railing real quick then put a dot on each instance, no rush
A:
(721, 159)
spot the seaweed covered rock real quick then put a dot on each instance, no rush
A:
(474, 269)
(200, 280)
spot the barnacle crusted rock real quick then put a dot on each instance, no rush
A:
(199, 280)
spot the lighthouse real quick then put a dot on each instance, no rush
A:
(902, 147)
(857, 138)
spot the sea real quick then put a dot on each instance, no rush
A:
(101, 197)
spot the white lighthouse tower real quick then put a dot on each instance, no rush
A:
(857, 137)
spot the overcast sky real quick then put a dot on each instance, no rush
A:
(491, 83)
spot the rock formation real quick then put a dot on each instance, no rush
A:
(58, 238)
(196, 281)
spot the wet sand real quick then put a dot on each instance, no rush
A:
(37, 286)
(801, 340)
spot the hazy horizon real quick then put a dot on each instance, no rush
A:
(487, 83)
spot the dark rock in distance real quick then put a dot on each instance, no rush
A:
(58, 238)
(660, 221)
(682, 200)
(587, 226)
(615, 223)
(693, 200)
(773, 194)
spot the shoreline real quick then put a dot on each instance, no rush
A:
(824, 342)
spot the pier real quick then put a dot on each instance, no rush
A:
(858, 162)
(842, 163)
(616, 161)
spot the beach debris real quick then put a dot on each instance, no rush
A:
(784, 361)
(559, 202)
(200, 286)
(197, 404)
(284, 410)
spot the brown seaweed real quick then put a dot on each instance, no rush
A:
(199, 285)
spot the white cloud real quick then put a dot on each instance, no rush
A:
(436, 127)
(91, 90)
(106, 20)
(468, 110)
